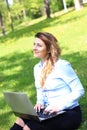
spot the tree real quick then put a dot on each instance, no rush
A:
(78, 5)
(2, 12)
(23, 11)
(2, 24)
(10, 17)
(47, 7)
(65, 7)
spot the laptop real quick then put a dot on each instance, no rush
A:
(22, 107)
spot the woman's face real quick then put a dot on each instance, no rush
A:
(39, 49)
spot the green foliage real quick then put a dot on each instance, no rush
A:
(56, 5)
(17, 61)
(33, 8)
(3, 8)
(16, 9)
(70, 3)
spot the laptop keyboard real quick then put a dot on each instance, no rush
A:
(45, 115)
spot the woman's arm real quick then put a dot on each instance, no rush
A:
(72, 80)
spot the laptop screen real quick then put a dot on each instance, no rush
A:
(20, 103)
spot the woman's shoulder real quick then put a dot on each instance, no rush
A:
(63, 65)
(38, 65)
(62, 62)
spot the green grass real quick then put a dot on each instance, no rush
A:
(17, 61)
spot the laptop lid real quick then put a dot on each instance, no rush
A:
(21, 105)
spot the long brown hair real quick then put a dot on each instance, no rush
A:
(54, 53)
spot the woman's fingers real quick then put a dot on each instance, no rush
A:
(37, 107)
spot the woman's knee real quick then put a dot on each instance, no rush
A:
(26, 127)
(20, 122)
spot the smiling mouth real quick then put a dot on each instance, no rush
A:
(36, 53)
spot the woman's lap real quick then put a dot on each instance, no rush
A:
(69, 120)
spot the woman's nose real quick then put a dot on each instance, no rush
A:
(34, 47)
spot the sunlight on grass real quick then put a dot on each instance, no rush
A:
(21, 45)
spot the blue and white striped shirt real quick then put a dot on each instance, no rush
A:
(62, 86)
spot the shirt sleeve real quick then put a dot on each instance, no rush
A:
(37, 85)
(71, 79)
(40, 96)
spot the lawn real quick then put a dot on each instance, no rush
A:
(17, 61)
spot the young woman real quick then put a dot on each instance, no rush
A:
(58, 88)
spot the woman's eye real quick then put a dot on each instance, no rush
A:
(37, 44)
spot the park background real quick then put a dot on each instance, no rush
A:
(68, 22)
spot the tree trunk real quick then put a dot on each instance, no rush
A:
(47, 7)
(9, 15)
(78, 5)
(65, 7)
(24, 13)
(2, 24)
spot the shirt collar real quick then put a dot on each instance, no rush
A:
(41, 64)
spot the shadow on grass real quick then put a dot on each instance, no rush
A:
(16, 74)
(5, 122)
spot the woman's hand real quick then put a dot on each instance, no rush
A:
(38, 107)
(51, 109)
